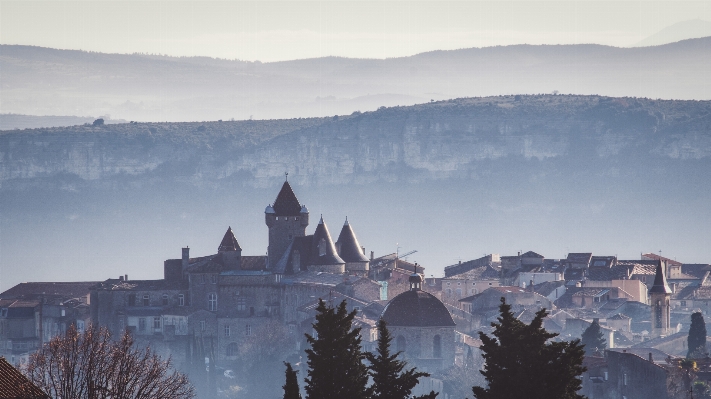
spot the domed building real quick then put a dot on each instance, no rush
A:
(422, 328)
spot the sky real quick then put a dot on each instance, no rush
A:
(283, 30)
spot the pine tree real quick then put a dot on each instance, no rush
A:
(291, 387)
(389, 379)
(521, 363)
(335, 360)
(697, 335)
(593, 338)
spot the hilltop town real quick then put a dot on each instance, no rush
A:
(220, 305)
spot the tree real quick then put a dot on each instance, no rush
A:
(389, 379)
(98, 122)
(291, 387)
(697, 335)
(522, 363)
(91, 365)
(335, 360)
(593, 339)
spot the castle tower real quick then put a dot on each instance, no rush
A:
(351, 252)
(659, 296)
(324, 257)
(230, 250)
(286, 219)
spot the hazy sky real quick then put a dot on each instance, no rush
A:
(271, 30)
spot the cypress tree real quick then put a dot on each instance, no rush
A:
(697, 335)
(291, 387)
(521, 363)
(335, 360)
(389, 379)
(593, 338)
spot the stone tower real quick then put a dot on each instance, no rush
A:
(230, 250)
(286, 219)
(659, 296)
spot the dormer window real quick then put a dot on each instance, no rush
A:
(322, 247)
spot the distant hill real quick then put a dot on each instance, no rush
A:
(15, 121)
(452, 179)
(692, 29)
(41, 81)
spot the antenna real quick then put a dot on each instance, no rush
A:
(286, 176)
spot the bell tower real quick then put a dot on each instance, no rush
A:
(286, 220)
(659, 296)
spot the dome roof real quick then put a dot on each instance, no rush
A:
(417, 309)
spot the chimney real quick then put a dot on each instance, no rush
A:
(120, 278)
(186, 257)
(650, 358)
(125, 277)
(371, 255)
(363, 249)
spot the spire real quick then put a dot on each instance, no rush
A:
(286, 203)
(660, 281)
(323, 250)
(229, 242)
(349, 247)
(321, 221)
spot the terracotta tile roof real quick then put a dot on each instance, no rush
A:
(14, 385)
(531, 254)
(140, 285)
(657, 257)
(580, 257)
(703, 293)
(253, 263)
(546, 288)
(479, 273)
(61, 289)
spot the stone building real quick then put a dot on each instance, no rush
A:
(422, 328)
(659, 296)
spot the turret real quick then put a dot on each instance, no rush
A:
(286, 219)
(230, 250)
(351, 252)
(324, 257)
(659, 296)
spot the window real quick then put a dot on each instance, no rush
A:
(132, 300)
(142, 324)
(322, 247)
(165, 299)
(437, 347)
(459, 292)
(202, 325)
(232, 349)
(605, 375)
(212, 302)
(146, 300)
(683, 303)
(489, 284)
(156, 323)
(214, 279)
(121, 327)
(401, 343)
(227, 330)
(459, 283)
(181, 300)
(624, 378)
(248, 329)
(241, 304)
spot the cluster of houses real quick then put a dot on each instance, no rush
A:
(229, 299)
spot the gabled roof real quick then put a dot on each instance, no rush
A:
(286, 203)
(349, 247)
(660, 281)
(328, 256)
(547, 287)
(62, 289)
(229, 242)
(531, 254)
(579, 257)
(652, 256)
(14, 385)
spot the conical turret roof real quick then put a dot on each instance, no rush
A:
(660, 281)
(229, 242)
(350, 250)
(286, 203)
(324, 253)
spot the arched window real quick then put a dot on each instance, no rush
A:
(232, 349)
(212, 302)
(437, 347)
(401, 343)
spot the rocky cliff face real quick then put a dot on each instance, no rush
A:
(451, 139)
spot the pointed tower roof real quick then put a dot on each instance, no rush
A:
(350, 250)
(229, 242)
(286, 203)
(324, 254)
(660, 281)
